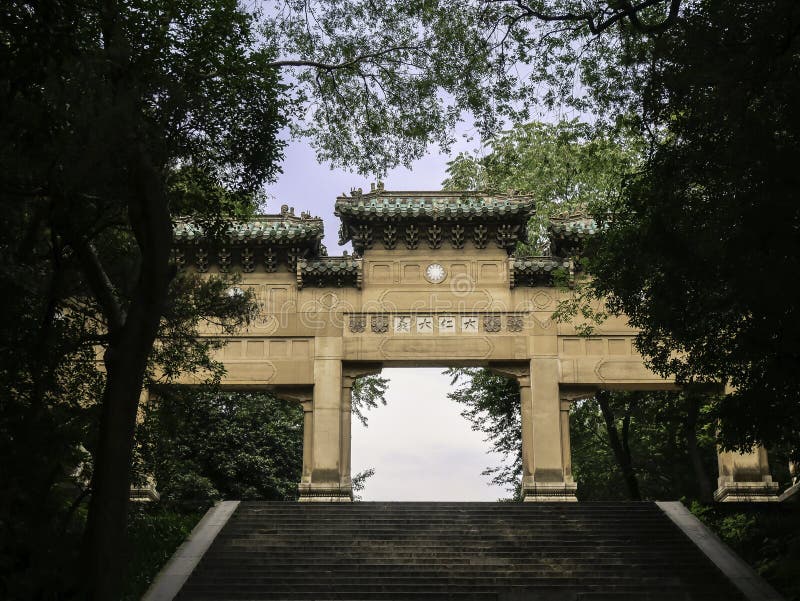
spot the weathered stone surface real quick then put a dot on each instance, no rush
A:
(454, 551)
(436, 283)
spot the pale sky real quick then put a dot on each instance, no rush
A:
(419, 445)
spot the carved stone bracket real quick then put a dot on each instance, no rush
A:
(352, 371)
(270, 260)
(569, 394)
(479, 236)
(224, 259)
(521, 372)
(201, 260)
(412, 236)
(435, 236)
(389, 237)
(457, 236)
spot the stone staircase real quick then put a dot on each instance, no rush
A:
(458, 551)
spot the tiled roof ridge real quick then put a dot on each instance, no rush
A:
(356, 193)
(265, 226)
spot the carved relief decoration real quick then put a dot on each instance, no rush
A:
(380, 324)
(358, 323)
(514, 323)
(491, 323)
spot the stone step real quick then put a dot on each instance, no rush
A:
(457, 551)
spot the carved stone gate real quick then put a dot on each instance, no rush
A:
(434, 280)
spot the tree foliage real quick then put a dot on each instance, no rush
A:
(400, 75)
(207, 445)
(643, 445)
(625, 446)
(696, 249)
(369, 392)
(568, 166)
(107, 112)
(491, 406)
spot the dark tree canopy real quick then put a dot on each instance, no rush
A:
(702, 247)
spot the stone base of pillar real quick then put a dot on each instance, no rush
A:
(315, 493)
(747, 492)
(550, 492)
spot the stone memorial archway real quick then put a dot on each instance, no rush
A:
(433, 281)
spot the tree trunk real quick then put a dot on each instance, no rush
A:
(693, 402)
(126, 361)
(621, 448)
(105, 530)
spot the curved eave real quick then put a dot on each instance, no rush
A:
(330, 271)
(535, 271)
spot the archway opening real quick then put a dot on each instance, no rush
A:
(420, 446)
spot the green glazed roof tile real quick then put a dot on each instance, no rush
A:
(329, 265)
(574, 227)
(383, 205)
(268, 228)
(539, 264)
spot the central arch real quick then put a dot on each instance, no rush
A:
(420, 445)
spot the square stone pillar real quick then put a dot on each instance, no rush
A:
(308, 436)
(350, 373)
(323, 478)
(546, 460)
(745, 477)
(146, 492)
(326, 431)
(549, 473)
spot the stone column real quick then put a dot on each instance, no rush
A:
(350, 373)
(566, 447)
(308, 429)
(326, 441)
(546, 460)
(744, 477)
(305, 397)
(322, 476)
(147, 491)
(551, 477)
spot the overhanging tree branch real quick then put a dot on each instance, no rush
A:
(338, 66)
(626, 10)
(100, 284)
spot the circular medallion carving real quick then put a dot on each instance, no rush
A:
(435, 273)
